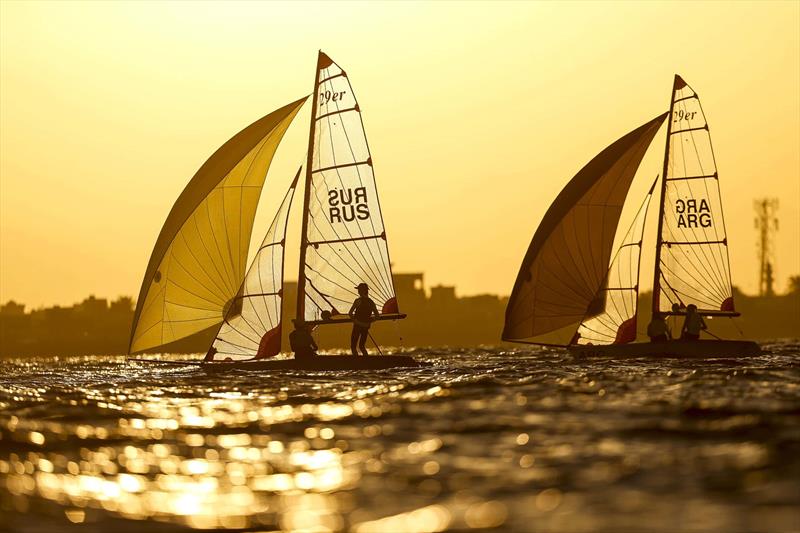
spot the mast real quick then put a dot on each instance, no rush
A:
(659, 244)
(301, 275)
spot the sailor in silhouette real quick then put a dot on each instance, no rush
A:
(210, 354)
(361, 312)
(657, 329)
(693, 324)
(301, 341)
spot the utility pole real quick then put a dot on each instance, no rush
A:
(766, 225)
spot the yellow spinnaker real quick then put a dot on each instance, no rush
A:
(200, 257)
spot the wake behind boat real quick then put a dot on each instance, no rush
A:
(570, 292)
(195, 280)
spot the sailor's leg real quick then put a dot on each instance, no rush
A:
(363, 341)
(354, 339)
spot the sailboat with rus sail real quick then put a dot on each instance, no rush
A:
(196, 284)
(571, 292)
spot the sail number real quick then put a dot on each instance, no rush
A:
(346, 205)
(680, 114)
(330, 96)
(691, 214)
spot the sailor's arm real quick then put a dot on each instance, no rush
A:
(351, 313)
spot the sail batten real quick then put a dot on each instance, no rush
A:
(568, 258)
(202, 248)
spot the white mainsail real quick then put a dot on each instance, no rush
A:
(692, 265)
(344, 238)
(200, 257)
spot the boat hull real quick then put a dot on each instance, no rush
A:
(701, 349)
(321, 363)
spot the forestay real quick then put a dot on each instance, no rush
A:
(616, 324)
(345, 238)
(693, 266)
(253, 320)
(567, 261)
(200, 257)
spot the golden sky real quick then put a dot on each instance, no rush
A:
(477, 115)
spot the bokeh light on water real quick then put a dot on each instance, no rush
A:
(520, 440)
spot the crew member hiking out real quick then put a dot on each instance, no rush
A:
(302, 342)
(361, 312)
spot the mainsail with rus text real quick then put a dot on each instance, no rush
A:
(344, 239)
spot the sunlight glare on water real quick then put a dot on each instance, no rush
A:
(524, 440)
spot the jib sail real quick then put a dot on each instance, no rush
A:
(344, 238)
(692, 265)
(200, 257)
(567, 261)
(253, 319)
(616, 324)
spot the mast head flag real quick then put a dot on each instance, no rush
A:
(344, 239)
(692, 265)
(568, 259)
(200, 256)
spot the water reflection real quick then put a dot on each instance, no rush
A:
(525, 441)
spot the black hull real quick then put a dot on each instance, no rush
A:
(321, 363)
(702, 349)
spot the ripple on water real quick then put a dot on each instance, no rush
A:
(520, 439)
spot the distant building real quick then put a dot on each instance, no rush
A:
(436, 317)
(12, 308)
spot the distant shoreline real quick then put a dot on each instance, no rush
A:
(437, 317)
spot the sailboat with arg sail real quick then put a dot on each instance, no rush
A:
(196, 282)
(571, 292)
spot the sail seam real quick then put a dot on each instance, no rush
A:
(361, 181)
(213, 281)
(711, 291)
(714, 277)
(221, 278)
(372, 273)
(718, 260)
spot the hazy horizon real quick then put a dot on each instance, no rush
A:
(107, 110)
